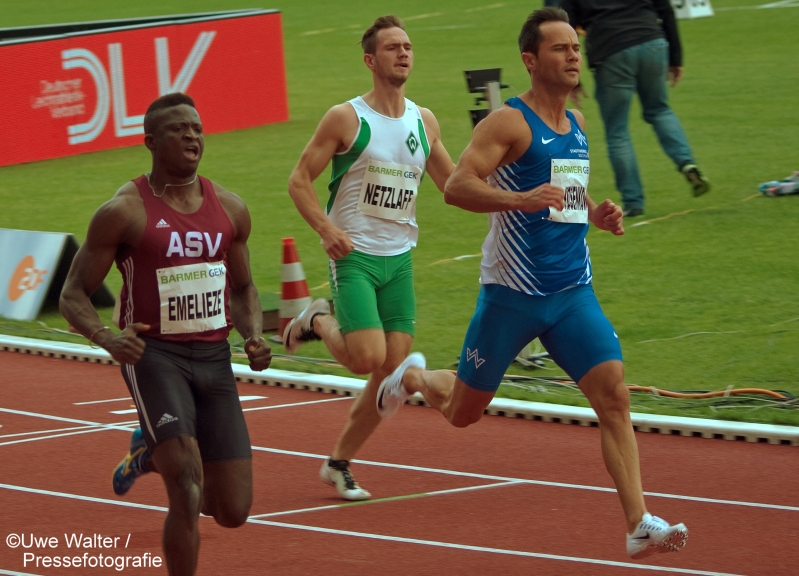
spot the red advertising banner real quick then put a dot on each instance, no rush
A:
(86, 91)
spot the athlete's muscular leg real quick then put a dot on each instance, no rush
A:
(604, 387)
(363, 415)
(460, 404)
(361, 351)
(178, 461)
(227, 491)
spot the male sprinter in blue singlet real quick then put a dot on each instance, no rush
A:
(536, 272)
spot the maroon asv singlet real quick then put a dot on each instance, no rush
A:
(176, 280)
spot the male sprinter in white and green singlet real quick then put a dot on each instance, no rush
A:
(381, 144)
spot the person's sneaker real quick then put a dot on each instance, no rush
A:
(300, 329)
(699, 184)
(653, 535)
(778, 188)
(633, 212)
(134, 464)
(392, 394)
(337, 473)
(789, 185)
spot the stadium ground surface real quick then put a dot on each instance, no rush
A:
(546, 412)
(702, 296)
(505, 496)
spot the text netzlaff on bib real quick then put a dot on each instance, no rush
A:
(389, 190)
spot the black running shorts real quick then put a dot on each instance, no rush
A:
(188, 389)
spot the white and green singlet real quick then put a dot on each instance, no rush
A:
(374, 184)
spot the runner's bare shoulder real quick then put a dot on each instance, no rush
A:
(504, 127)
(579, 117)
(123, 216)
(340, 123)
(430, 120)
(234, 207)
(231, 202)
(342, 113)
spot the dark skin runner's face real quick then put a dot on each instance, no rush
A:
(177, 143)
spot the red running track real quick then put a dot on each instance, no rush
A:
(505, 496)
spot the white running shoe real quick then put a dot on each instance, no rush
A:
(653, 535)
(392, 394)
(300, 329)
(343, 481)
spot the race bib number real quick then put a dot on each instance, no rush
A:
(389, 190)
(192, 297)
(572, 176)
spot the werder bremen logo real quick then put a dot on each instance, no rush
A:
(412, 143)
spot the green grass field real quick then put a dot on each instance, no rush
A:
(703, 295)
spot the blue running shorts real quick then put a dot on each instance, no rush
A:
(570, 325)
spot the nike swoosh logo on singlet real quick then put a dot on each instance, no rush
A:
(546, 141)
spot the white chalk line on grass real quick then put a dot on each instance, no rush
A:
(384, 538)
(446, 27)
(783, 4)
(536, 482)
(481, 8)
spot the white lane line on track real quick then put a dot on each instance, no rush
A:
(134, 411)
(379, 500)
(10, 573)
(119, 426)
(536, 482)
(489, 550)
(383, 537)
(83, 498)
(125, 426)
(101, 401)
(25, 440)
(36, 432)
(299, 404)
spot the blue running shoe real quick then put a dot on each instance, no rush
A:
(133, 465)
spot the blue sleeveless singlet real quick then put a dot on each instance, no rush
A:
(542, 252)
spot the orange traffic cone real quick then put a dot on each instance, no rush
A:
(295, 296)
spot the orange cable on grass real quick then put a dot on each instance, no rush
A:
(671, 393)
(715, 393)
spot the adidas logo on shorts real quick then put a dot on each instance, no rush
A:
(162, 224)
(166, 419)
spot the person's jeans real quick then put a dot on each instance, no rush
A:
(641, 69)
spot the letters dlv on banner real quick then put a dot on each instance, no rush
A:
(68, 92)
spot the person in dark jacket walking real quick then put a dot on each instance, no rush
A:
(633, 46)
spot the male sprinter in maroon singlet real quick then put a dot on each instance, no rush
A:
(180, 242)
